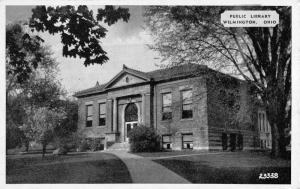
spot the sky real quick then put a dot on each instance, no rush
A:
(125, 43)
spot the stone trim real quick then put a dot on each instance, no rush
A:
(101, 101)
(89, 103)
(185, 87)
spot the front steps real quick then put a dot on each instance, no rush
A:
(119, 146)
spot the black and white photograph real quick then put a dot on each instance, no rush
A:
(149, 93)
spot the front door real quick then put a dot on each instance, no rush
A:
(131, 119)
(129, 127)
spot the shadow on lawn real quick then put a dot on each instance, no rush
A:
(97, 168)
(196, 172)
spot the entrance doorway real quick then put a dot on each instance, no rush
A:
(131, 119)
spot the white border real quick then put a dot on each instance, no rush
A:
(295, 87)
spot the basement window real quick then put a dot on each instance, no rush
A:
(187, 141)
(166, 142)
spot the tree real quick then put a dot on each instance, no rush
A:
(35, 86)
(80, 31)
(40, 124)
(80, 35)
(260, 55)
(65, 134)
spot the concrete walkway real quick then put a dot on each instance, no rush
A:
(143, 170)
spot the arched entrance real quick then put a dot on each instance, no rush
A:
(131, 118)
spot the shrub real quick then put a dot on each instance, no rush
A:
(144, 139)
(83, 146)
(94, 146)
(67, 143)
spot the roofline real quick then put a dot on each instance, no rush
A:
(125, 70)
(111, 89)
(148, 81)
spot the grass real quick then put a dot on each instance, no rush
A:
(73, 168)
(168, 153)
(229, 167)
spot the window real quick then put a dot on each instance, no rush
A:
(263, 122)
(166, 142)
(89, 115)
(187, 141)
(102, 114)
(240, 141)
(259, 121)
(187, 106)
(224, 141)
(131, 113)
(166, 107)
(261, 144)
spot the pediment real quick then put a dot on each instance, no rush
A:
(125, 79)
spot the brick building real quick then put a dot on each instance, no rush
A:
(190, 106)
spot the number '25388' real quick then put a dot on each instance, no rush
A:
(268, 176)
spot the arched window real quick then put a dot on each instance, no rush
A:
(131, 113)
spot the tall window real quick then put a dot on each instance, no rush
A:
(89, 115)
(259, 121)
(263, 122)
(102, 114)
(187, 106)
(166, 107)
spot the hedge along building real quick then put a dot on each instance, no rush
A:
(190, 106)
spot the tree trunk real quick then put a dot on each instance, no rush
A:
(278, 141)
(26, 145)
(44, 149)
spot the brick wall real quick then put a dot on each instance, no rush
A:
(227, 116)
(95, 130)
(178, 126)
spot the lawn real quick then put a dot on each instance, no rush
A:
(73, 168)
(227, 167)
(154, 155)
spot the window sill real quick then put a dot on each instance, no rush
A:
(101, 125)
(166, 120)
(187, 119)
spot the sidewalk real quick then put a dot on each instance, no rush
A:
(143, 170)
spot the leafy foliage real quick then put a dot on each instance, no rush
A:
(23, 52)
(14, 136)
(40, 124)
(144, 139)
(260, 55)
(69, 123)
(80, 31)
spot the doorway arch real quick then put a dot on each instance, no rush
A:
(131, 118)
(131, 113)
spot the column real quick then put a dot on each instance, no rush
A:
(109, 115)
(148, 110)
(115, 115)
(143, 109)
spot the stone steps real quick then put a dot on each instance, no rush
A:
(119, 146)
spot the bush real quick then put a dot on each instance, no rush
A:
(69, 142)
(83, 146)
(144, 139)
